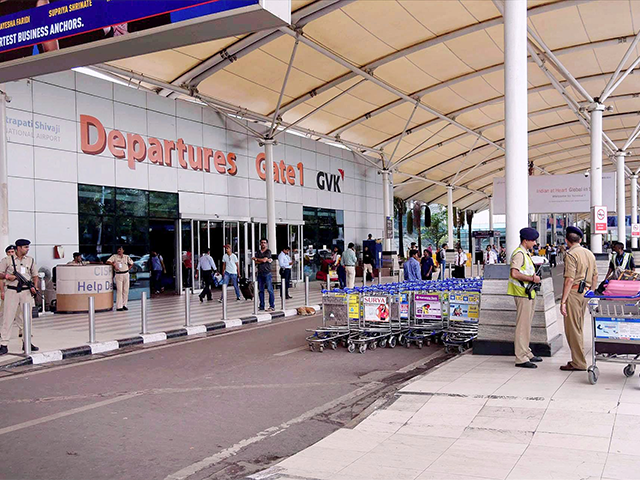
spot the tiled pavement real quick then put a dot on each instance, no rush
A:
(478, 417)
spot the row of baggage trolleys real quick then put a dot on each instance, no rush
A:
(418, 313)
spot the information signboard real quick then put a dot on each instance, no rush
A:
(617, 328)
(428, 307)
(353, 302)
(599, 219)
(635, 230)
(375, 309)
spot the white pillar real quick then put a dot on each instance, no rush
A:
(542, 228)
(492, 239)
(516, 121)
(4, 188)
(596, 169)
(450, 217)
(385, 210)
(554, 229)
(271, 199)
(621, 185)
(634, 207)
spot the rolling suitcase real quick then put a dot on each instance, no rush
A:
(246, 287)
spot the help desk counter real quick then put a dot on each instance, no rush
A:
(76, 283)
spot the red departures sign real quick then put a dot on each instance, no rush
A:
(133, 147)
(282, 173)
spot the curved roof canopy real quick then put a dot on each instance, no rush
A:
(419, 85)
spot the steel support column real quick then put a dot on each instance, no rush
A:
(516, 128)
(596, 169)
(4, 187)
(450, 217)
(271, 199)
(621, 194)
(491, 239)
(386, 211)
(634, 207)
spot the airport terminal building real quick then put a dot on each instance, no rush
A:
(93, 164)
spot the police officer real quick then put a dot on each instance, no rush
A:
(521, 274)
(579, 268)
(620, 261)
(121, 264)
(17, 294)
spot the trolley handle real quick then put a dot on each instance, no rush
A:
(592, 294)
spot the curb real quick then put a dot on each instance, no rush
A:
(108, 346)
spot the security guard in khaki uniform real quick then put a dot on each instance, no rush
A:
(121, 264)
(16, 294)
(521, 274)
(579, 268)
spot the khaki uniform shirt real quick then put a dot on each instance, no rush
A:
(27, 267)
(121, 263)
(580, 264)
(517, 261)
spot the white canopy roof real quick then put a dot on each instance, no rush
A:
(433, 67)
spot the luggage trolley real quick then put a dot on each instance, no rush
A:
(375, 327)
(401, 300)
(616, 332)
(427, 320)
(462, 327)
(337, 310)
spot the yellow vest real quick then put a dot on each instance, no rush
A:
(516, 288)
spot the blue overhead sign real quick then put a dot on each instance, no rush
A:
(29, 27)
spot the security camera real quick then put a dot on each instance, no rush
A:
(586, 174)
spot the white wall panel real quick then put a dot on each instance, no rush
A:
(56, 197)
(95, 87)
(54, 101)
(96, 170)
(101, 108)
(217, 205)
(161, 126)
(22, 225)
(130, 119)
(191, 203)
(21, 194)
(131, 96)
(258, 208)
(189, 110)
(56, 229)
(21, 94)
(237, 187)
(281, 211)
(128, 178)
(190, 132)
(56, 165)
(190, 181)
(66, 79)
(294, 211)
(211, 117)
(19, 133)
(163, 179)
(215, 138)
(20, 160)
(257, 189)
(53, 132)
(161, 104)
(217, 184)
(237, 143)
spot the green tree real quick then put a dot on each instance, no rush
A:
(399, 209)
(436, 232)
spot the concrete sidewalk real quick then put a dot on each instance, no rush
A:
(479, 417)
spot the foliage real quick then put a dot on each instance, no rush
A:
(436, 233)
(410, 222)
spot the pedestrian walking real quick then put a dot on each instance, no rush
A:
(157, 269)
(16, 271)
(230, 271)
(207, 267)
(552, 253)
(459, 263)
(284, 260)
(349, 260)
(263, 259)
(426, 265)
(442, 259)
(339, 267)
(580, 274)
(522, 273)
(412, 267)
(367, 263)
(121, 264)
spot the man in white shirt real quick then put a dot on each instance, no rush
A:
(490, 256)
(230, 270)
(207, 267)
(284, 260)
(460, 261)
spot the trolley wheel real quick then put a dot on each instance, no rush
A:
(428, 343)
(420, 345)
(593, 372)
(373, 345)
(351, 347)
(311, 347)
(460, 349)
(629, 370)
(333, 345)
(402, 339)
(382, 343)
(362, 348)
(407, 343)
(392, 341)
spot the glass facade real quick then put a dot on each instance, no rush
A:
(323, 229)
(141, 221)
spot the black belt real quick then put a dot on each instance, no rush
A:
(122, 272)
(11, 287)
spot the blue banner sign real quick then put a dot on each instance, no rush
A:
(30, 27)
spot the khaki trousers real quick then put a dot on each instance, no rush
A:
(122, 289)
(351, 276)
(574, 328)
(367, 267)
(12, 312)
(525, 309)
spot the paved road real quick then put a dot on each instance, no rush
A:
(156, 412)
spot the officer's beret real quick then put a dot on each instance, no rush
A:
(575, 230)
(10, 247)
(529, 234)
(22, 242)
